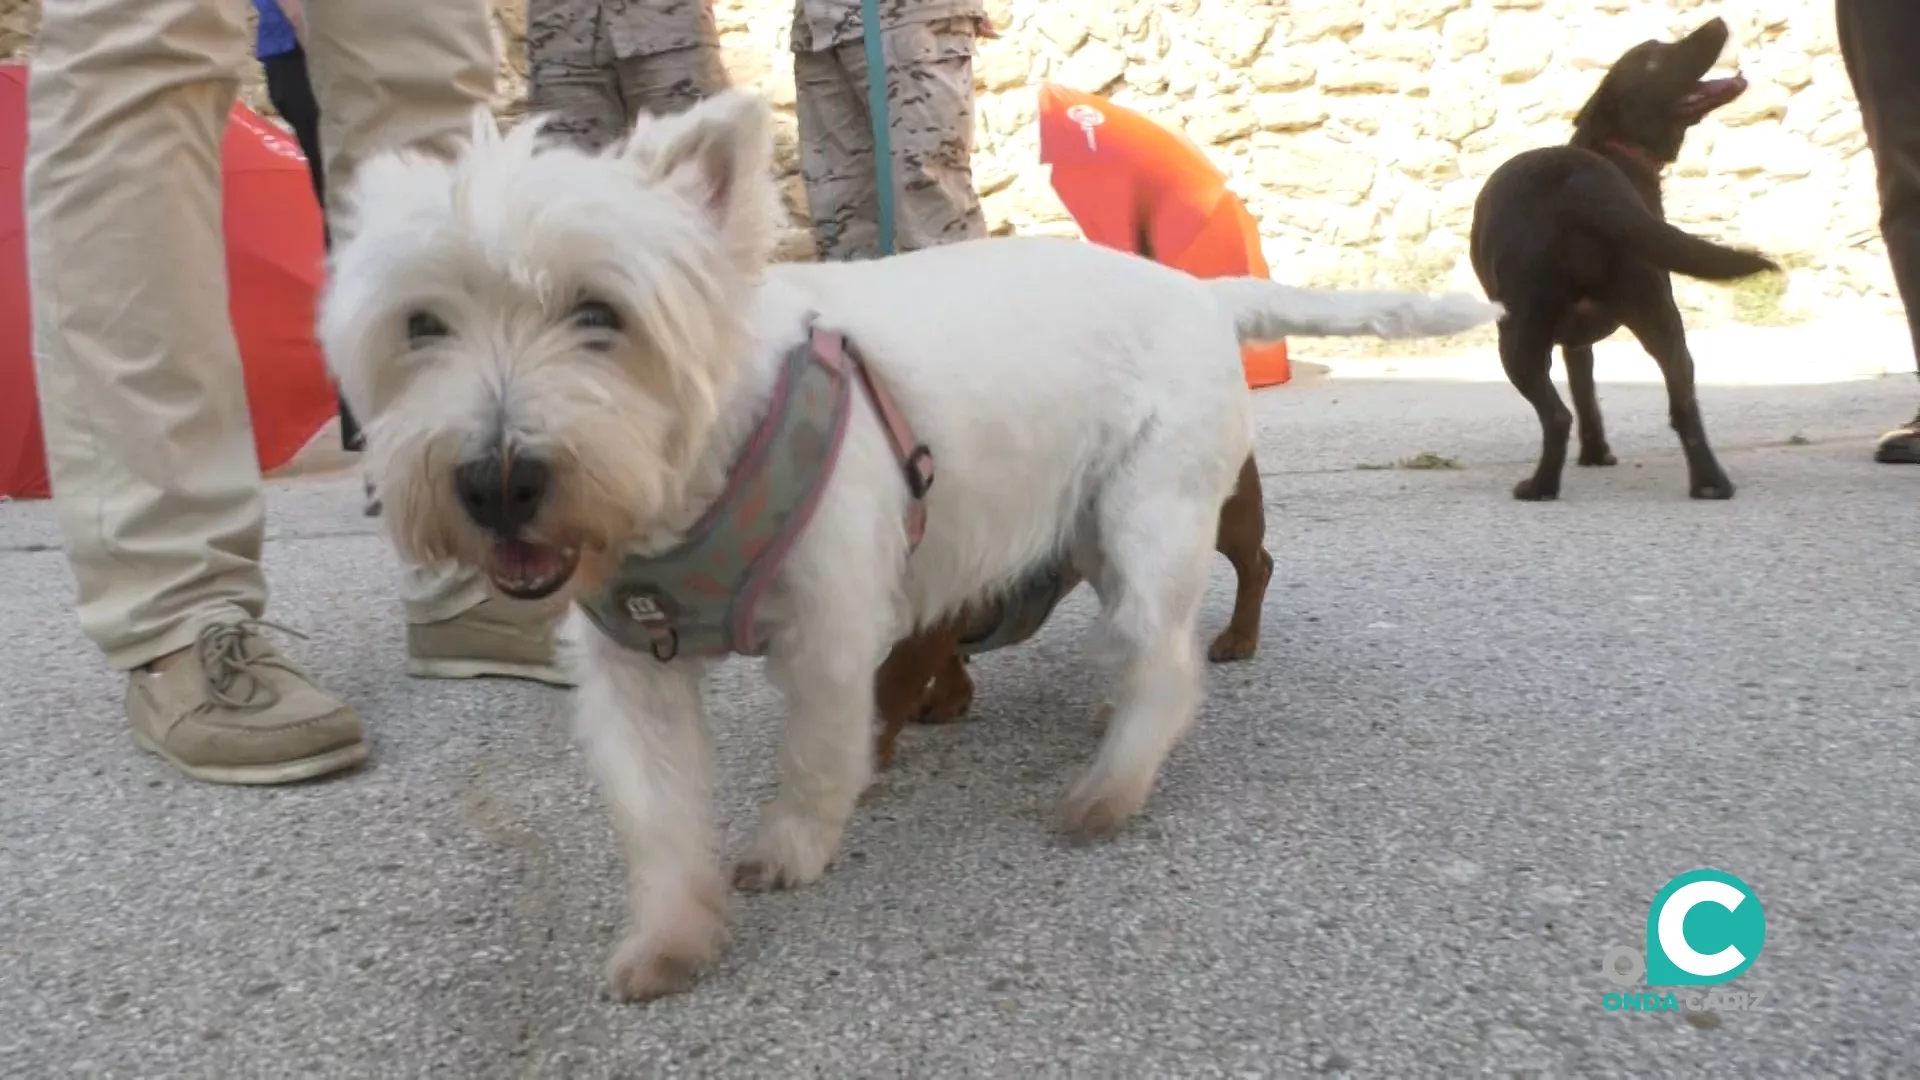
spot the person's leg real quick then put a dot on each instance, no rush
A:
(931, 127)
(836, 153)
(291, 93)
(570, 72)
(670, 81)
(156, 482)
(1879, 40)
(292, 96)
(388, 75)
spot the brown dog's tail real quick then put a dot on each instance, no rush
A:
(1605, 202)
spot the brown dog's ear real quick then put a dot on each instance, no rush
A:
(1596, 111)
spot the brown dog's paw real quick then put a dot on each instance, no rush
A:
(1232, 645)
(1529, 490)
(950, 696)
(1600, 456)
(1721, 488)
(943, 710)
(883, 747)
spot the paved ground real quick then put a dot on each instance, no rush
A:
(1478, 739)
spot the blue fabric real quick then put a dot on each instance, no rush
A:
(275, 32)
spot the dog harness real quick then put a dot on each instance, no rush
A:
(1022, 614)
(699, 597)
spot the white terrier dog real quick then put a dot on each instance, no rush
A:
(558, 359)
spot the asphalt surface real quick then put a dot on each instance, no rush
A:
(1479, 737)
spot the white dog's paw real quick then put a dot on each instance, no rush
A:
(1098, 805)
(790, 851)
(677, 942)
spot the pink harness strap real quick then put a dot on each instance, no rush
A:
(916, 461)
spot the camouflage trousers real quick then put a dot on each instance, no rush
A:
(596, 103)
(930, 108)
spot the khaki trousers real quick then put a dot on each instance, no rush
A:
(155, 480)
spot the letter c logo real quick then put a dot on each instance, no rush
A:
(1704, 927)
(1673, 928)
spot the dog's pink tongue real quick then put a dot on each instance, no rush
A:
(1722, 89)
(521, 560)
(1710, 94)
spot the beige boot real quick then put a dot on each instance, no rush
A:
(493, 638)
(1901, 446)
(231, 710)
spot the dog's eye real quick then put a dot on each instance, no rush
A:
(424, 327)
(596, 315)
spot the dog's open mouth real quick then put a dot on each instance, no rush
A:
(526, 570)
(1710, 94)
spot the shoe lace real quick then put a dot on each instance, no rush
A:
(231, 671)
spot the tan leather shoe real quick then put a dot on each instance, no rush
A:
(1901, 446)
(231, 710)
(493, 638)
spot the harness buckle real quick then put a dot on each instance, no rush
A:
(671, 643)
(645, 612)
(919, 471)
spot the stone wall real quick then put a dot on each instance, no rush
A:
(1359, 133)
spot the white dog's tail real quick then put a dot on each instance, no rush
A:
(1265, 310)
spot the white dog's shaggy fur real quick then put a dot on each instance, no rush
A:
(614, 318)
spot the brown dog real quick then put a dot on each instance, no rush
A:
(925, 677)
(1575, 242)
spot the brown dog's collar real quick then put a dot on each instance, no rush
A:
(1634, 154)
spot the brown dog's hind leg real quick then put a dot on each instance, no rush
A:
(900, 686)
(1242, 538)
(1657, 324)
(1526, 351)
(1586, 405)
(951, 693)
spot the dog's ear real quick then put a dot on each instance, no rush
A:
(1597, 113)
(719, 155)
(1585, 114)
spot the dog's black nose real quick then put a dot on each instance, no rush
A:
(502, 496)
